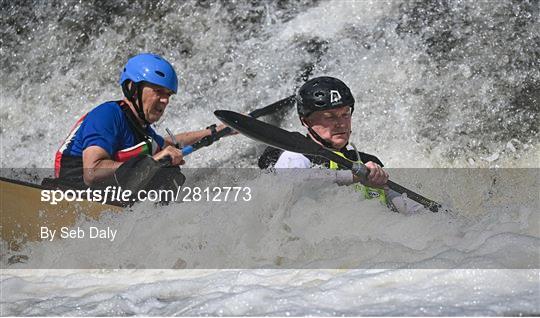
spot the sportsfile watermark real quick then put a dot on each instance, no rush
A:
(281, 219)
(118, 194)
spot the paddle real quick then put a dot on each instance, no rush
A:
(296, 142)
(208, 140)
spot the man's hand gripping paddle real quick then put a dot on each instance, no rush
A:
(208, 140)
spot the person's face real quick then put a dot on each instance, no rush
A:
(333, 125)
(155, 99)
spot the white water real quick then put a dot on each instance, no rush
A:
(290, 225)
(488, 118)
(274, 292)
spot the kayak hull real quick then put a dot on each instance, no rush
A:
(23, 213)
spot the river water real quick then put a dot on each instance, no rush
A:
(438, 85)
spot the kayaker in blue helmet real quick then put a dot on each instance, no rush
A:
(325, 106)
(117, 131)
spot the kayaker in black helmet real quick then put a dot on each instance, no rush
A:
(325, 106)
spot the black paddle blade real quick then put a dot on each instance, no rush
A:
(296, 142)
(268, 134)
(272, 108)
(277, 137)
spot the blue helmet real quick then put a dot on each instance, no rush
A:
(150, 68)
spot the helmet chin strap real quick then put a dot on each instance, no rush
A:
(312, 132)
(317, 137)
(130, 93)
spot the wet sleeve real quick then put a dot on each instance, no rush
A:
(292, 160)
(297, 164)
(102, 128)
(403, 204)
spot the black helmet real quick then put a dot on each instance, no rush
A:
(322, 93)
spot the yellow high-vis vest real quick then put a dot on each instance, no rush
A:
(369, 192)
